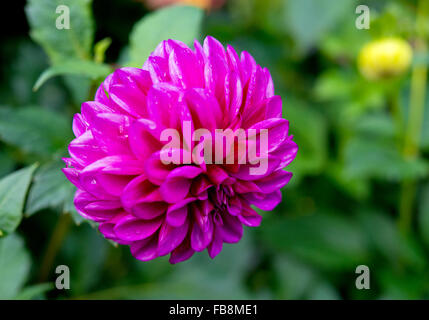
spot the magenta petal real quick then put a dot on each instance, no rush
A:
(156, 171)
(131, 229)
(176, 185)
(79, 125)
(140, 190)
(72, 175)
(234, 94)
(145, 249)
(135, 78)
(246, 187)
(106, 229)
(215, 246)
(199, 102)
(275, 181)
(110, 175)
(277, 132)
(131, 103)
(200, 185)
(185, 70)
(261, 170)
(270, 85)
(142, 199)
(201, 236)
(149, 210)
(84, 150)
(233, 59)
(274, 107)
(216, 68)
(182, 252)
(102, 92)
(104, 210)
(250, 217)
(202, 230)
(256, 88)
(232, 229)
(158, 69)
(234, 206)
(118, 164)
(286, 152)
(111, 132)
(91, 109)
(265, 201)
(199, 239)
(144, 136)
(248, 66)
(171, 237)
(177, 213)
(163, 101)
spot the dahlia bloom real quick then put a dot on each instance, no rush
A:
(178, 208)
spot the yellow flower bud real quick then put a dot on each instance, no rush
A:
(384, 58)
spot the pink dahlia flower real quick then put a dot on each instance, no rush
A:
(177, 208)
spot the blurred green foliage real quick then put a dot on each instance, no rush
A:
(340, 210)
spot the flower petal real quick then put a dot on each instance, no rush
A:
(130, 228)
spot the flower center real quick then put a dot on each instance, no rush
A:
(220, 196)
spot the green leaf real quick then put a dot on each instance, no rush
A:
(423, 217)
(323, 291)
(376, 124)
(14, 266)
(6, 163)
(35, 130)
(357, 187)
(327, 241)
(174, 22)
(100, 49)
(312, 154)
(309, 20)
(369, 157)
(50, 189)
(13, 189)
(34, 291)
(294, 278)
(87, 251)
(334, 85)
(61, 44)
(352, 93)
(89, 69)
(402, 286)
(346, 42)
(71, 209)
(383, 236)
(28, 63)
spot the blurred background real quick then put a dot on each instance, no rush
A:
(357, 104)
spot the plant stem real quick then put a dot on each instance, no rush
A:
(398, 116)
(54, 245)
(415, 120)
